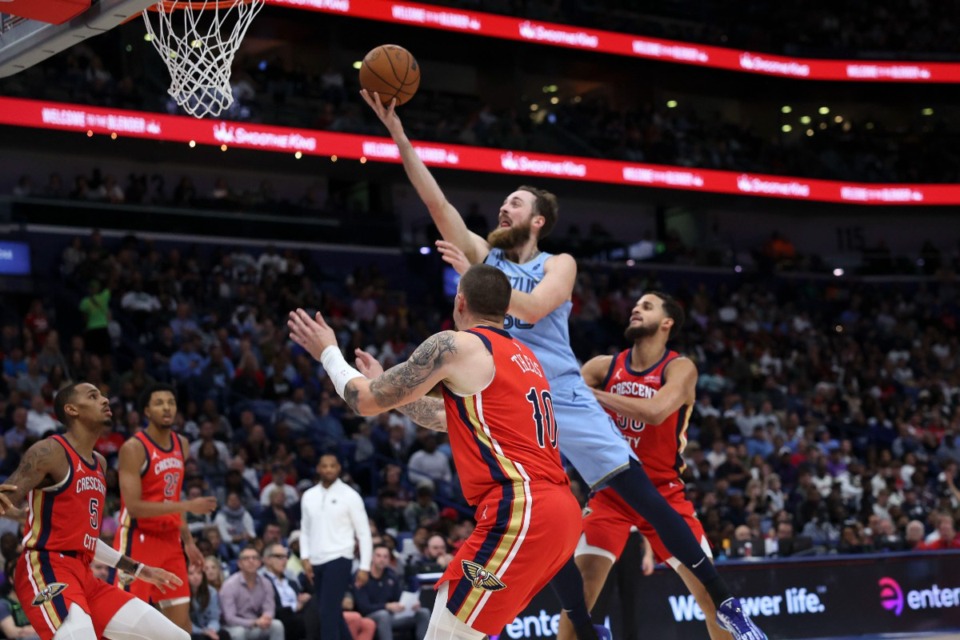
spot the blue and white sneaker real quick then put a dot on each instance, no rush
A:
(602, 632)
(731, 617)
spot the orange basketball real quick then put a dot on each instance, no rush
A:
(390, 71)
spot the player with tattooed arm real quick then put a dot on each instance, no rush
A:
(539, 314)
(498, 412)
(62, 481)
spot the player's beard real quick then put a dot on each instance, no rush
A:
(508, 238)
(633, 333)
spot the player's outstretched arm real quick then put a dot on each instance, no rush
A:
(427, 412)
(594, 371)
(130, 460)
(679, 389)
(42, 460)
(556, 287)
(154, 575)
(448, 220)
(402, 384)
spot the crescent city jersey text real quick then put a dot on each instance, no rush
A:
(659, 446)
(66, 517)
(161, 480)
(506, 434)
(549, 338)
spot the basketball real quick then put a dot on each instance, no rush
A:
(391, 71)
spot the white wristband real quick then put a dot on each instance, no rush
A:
(337, 368)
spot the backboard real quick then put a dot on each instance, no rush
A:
(26, 41)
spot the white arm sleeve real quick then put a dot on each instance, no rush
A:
(337, 368)
(106, 554)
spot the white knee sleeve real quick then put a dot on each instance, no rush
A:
(137, 620)
(446, 626)
(77, 626)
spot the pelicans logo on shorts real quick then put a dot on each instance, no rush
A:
(480, 577)
(48, 593)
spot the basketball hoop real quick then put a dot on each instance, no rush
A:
(198, 48)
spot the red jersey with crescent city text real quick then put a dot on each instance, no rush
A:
(506, 434)
(659, 446)
(161, 480)
(66, 517)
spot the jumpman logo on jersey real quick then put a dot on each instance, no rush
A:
(616, 376)
(154, 456)
(79, 467)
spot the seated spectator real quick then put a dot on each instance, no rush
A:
(235, 523)
(278, 482)
(914, 534)
(285, 518)
(430, 464)
(213, 572)
(18, 431)
(424, 510)
(40, 421)
(947, 536)
(434, 560)
(13, 621)
(289, 598)
(389, 514)
(223, 551)
(296, 411)
(204, 607)
(379, 600)
(207, 433)
(248, 603)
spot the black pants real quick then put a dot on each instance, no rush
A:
(330, 581)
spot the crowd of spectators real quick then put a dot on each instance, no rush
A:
(816, 29)
(163, 190)
(827, 416)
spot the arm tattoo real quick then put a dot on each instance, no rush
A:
(351, 396)
(399, 382)
(426, 412)
(33, 468)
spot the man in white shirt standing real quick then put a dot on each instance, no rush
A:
(333, 520)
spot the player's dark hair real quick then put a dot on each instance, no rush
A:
(64, 397)
(545, 205)
(673, 310)
(486, 290)
(151, 389)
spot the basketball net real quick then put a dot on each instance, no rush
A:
(197, 41)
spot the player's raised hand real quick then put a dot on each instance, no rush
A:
(387, 114)
(367, 364)
(313, 334)
(453, 256)
(161, 578)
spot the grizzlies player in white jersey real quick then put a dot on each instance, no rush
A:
(538, 316)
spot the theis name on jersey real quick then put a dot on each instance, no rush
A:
(526, 364)
(91, 483)
(167, 464)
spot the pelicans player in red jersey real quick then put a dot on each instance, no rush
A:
(498, 411)
(62, 480)
(649, 391)
(151, 521)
